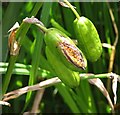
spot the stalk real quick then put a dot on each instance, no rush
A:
(72, 8)
(36, 22)
(43, 28)
(20, 34)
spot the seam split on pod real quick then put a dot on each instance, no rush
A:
(72, 54)
(67, 76)
(68, 52)
(64, 56)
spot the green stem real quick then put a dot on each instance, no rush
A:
(43, 28)
(72, 8)
(21, 32)
(58, 26)
(8, 73)
(92, 76)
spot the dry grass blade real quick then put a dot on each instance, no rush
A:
(15, 26)
(97, 82)
(12, 43)
(37, 101)
(114, 88)
(114, 25)
(106, 45)
(93, 79)
(32, 20)
(53, 81)
(65, 5)
(4, 103)
(19, 92)
(112, 56)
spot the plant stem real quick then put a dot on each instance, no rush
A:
(50, 82)
(58, 26)
(20, 34)
(72, 8)
(36, 22)
(8, 73)
(43, 28)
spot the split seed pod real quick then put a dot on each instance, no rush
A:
(67, 76)
(62, 54)
(65, 49)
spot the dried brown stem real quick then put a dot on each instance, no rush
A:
(112, 56)
(37, 101)
(42, 85)
(53, 81)
(19, 92)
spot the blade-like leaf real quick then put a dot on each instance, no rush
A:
(98, 83)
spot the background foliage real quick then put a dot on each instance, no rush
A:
(58, 98)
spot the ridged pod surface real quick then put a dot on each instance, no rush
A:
(88, 38)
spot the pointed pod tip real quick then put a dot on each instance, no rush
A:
(83, 68)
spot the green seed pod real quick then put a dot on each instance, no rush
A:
(88, 38)
(62, 54)
(65, 49)
(67, 76)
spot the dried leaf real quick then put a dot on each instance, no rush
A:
(65, 5)
(15, 49)
(16, 26)
(13, 44)
(106, 45)
(118, 79)
(21, 91)
(12, 33)
(32, 20)
(114, 88)
(97, 82)
(4, 103)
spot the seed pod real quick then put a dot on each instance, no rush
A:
(65, 49)
(67, 76)
(88, 38)
(62, 54)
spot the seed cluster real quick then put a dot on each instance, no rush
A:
(73, 54)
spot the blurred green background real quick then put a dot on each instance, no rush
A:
(58, 98)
